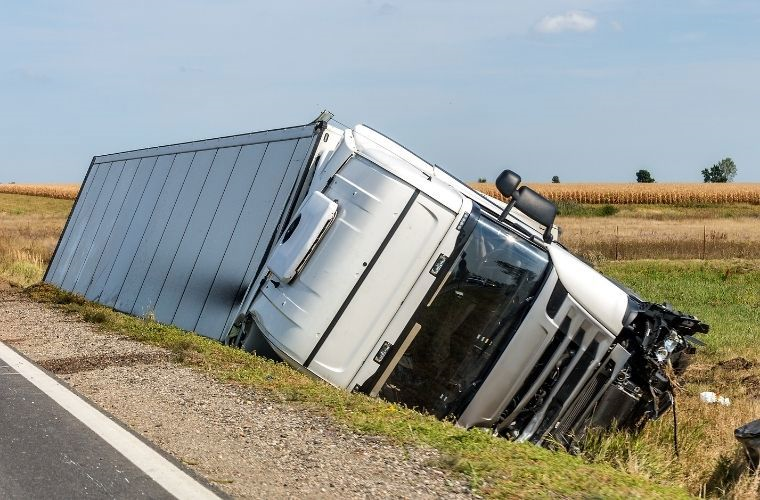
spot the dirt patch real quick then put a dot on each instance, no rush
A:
(736, 364)
(698, 374)
(251, 444)
(76, 364)
(752, 385)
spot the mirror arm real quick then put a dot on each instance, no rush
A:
(548, 236)
(504, 214)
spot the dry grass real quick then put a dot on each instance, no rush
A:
(623, 238)
(29, 230)
(646, 194)
(61, 191)
(710, 462)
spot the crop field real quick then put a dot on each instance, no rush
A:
(721, 290)
(61, 191)
(642, 193)
(599, 194)
(663, 221)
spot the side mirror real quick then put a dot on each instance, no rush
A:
(537, 208)
(507, 183)
(527, 201)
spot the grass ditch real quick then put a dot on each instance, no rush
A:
(725, 293)
(494, 466)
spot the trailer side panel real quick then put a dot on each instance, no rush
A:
(178, 232)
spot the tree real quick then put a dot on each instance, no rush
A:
(723, 171)
(644, 176)
(482, 180)
(555, 179)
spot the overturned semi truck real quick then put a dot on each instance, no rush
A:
(357, 261)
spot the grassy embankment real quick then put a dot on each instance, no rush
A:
(726, 294)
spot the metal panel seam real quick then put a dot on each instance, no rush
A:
(94, 236)
(129, 226)
(320, 127)
(232, 233)
(87, 225)
(253, 253)
(205, 236)
(142, 236)
(184, 233)
(163, 231)
(116, 218)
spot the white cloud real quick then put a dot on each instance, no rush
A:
(570, 21)
(616, 25)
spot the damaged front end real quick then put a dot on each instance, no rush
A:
(567, 393)
(660, 341)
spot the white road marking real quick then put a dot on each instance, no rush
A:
(163, 472)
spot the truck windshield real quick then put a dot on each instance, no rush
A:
(469, 322)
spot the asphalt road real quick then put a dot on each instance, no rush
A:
(53, 444)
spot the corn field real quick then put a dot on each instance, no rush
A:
(644, 194)
(62, 191)
(616, 194)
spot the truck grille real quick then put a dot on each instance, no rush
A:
(582, 405)
(563, 384)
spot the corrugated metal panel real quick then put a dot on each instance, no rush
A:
(180, 231)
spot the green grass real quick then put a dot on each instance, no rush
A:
(725, 294)
(691, 211)
(495, 467)
(659, 212)
(18, 204)
(574, 209)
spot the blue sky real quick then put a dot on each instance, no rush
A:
(589, 90)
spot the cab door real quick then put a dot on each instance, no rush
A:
(331, 314)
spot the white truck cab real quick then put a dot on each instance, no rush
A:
(411, 286)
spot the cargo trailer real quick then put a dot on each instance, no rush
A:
(179, 232)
